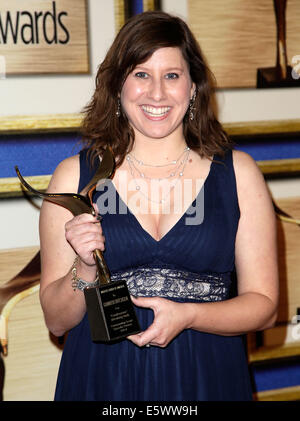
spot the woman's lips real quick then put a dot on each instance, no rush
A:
(155, 113)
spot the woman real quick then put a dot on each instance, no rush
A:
(153, 104)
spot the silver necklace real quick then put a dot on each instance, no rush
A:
(143, 175)
(162, 200)
(174, 162)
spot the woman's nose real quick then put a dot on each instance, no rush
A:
(156, 89)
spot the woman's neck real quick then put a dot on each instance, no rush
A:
(158, 151)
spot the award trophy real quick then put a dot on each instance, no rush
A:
(280, 76)
(110, 310)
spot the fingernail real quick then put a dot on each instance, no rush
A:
(99, 217)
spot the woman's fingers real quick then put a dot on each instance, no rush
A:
(169, 320)
(146, 302)
(151, 336)
(79, 230)
(84, 218)
(84, 233)
(145, 338)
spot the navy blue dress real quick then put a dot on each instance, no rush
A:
(193, 262)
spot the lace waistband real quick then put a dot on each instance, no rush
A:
(175, 284)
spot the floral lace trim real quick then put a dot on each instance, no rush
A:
(174, 283)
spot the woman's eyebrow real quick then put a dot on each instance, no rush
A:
(180, 69)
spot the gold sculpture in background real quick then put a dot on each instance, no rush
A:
(280, 76)
(25, 283)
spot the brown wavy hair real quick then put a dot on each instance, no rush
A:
(135, 43)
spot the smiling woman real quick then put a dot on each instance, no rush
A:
(135, 48)
(200, 267)
(159, 91)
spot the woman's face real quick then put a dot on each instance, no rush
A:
(156, 94)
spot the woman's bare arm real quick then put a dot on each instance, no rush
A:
(255, 307)
(63, 237)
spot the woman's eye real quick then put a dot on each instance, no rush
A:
(142, 75)
(172, 76)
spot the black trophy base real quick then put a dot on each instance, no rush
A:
(270, 78)
(110, 312)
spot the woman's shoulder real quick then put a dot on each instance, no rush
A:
(65, 178)
(245, 165)
(251, 185)
(239, 155)
(69, 163)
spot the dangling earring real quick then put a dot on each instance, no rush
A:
(191, 106)
(118, 112)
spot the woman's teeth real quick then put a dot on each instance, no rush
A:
(155, 111)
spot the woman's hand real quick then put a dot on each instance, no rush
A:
(84, 234)
(170, 318)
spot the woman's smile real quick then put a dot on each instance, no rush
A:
(155, 113)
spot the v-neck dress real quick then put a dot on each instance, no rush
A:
(193, 262)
